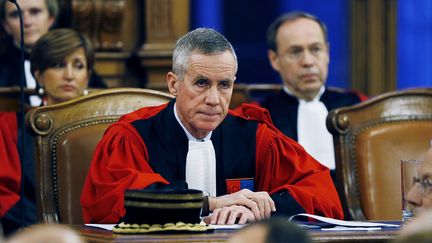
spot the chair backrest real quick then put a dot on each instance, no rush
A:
(370, 140)
(66, 135)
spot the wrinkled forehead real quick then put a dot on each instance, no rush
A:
(217, 62)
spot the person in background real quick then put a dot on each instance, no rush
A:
(275, 230)
(418, 231)
(39, 16)
(62, 61)
(299, 52)
(46, 233)
(418, 237)
(195, 140)
(420, 196)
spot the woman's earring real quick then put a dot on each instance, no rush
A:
(41, 91)
(85, 92)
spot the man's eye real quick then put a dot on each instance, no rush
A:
(225, 85)
(296, 51)
(316, 50)
(35, 11)
(201, 83)
(13, 14)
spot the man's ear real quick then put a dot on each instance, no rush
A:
(172, 82)
(274, 59)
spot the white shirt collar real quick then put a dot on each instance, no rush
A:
(317, 97)
(188, 134)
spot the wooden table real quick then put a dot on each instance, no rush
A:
(96, 235)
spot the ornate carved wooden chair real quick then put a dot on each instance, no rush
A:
(370, 140)
(66, 135)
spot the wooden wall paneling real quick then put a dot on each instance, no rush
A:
(110, 24)
(114, 30)
(165, 21)
(101, 20)
(114, 59)
(373, 46)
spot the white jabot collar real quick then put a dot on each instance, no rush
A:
(312, 132)
(201, 166)
(200, 162)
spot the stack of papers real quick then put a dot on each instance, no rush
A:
(342, 225)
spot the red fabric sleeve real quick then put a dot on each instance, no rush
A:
(10, 172)
(362, 96)
(119, 163)
(283, 164)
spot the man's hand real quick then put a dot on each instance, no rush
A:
(230, 215)
(260, 203)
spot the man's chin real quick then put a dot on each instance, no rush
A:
(209, 125)
(418, 211)
(30, 41)
(312, 87)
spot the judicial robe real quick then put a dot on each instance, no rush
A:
(10, 173)
(17, 204)
(283, 107)
(148, 148)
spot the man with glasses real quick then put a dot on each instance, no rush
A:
(420, 196)
(299, 52)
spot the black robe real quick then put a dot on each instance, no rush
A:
(283, 107)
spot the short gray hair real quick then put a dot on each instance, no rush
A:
(203, 40)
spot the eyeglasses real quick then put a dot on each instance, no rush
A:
(425, 184)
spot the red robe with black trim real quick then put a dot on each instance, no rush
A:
(10, 167)
(121, 161)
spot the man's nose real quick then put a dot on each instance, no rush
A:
(308, 58)
(415, 196)
(212, 97)
(27, 18)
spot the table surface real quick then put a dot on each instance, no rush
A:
(99, 235)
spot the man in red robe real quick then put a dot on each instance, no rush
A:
(10, 174)
(17, 175)
(195, 140)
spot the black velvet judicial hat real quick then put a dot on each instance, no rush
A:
(160, 211)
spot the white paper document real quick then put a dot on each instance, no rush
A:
(102, 226)
(343, 228)
(228, 226)
(338, 222)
